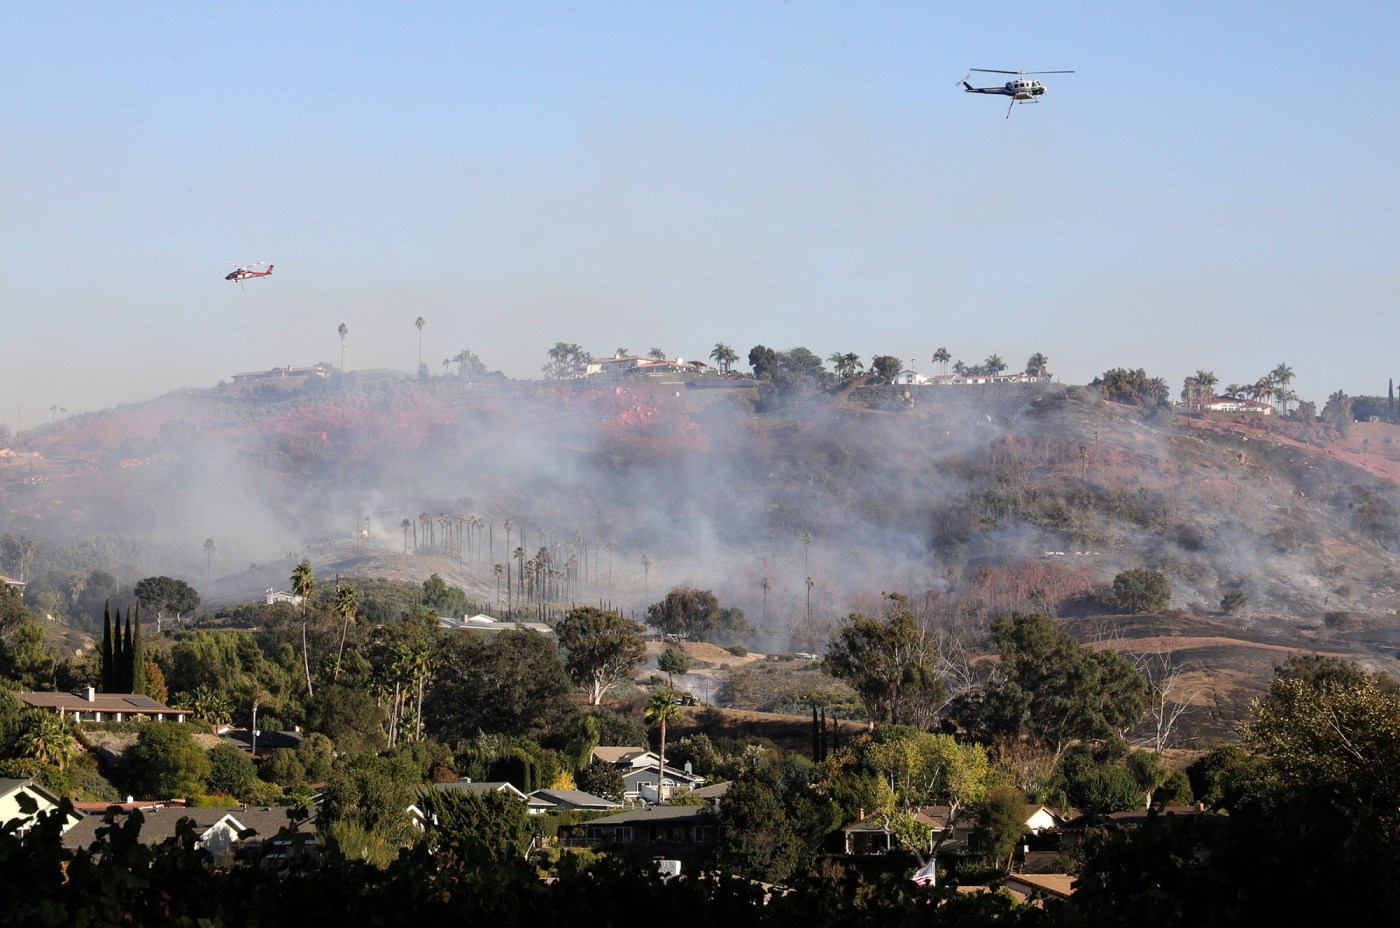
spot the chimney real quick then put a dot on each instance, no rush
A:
(89, 694)
(860, 814)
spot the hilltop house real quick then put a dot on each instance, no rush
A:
(1238, 404)
(638, 767)
(88, 705)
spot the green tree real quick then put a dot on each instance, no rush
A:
(891, 663)
(673, 662)
(166, 762)
(1141, 591)
(772, 823)
(687, 613)
(494, 823)
(601, 779)
(1001, 823)
(1052, 688)
(230, 771)
(885, 368)
(603, 649)
(514, 683)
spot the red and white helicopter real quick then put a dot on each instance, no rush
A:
(1020, 90)
(244, 272)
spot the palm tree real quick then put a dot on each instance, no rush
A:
(656, 354)
(765, 584)
(346, 600)
(664, 708)
(419, 323)
(46, 738)
(1282, 376)
(344, 330)
(405, 524)
(994, 364)
(303, 585)
(208, 558)
(646, 574)
(1037, 365)
(941, 357)
(724, 356)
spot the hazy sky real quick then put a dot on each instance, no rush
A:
(1214, 188)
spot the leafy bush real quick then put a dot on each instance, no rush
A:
(1141, 590)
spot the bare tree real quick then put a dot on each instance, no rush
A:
(1167, 699)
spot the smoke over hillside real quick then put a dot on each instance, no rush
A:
(644, 486)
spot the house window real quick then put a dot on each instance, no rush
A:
(623, 835)
(702, 834)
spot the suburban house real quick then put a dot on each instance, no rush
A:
(1238, 404)
(14, 792)
(283, 373)
(652, 827)
(908, 376)
(487, 625)
(872, 836)
(263, 742)
(638, 767)
(216, 830)
(494, 786)
(10, 581)
(273, 597)
(962, 380)
(92, 706)
(465, 785)
(568, 800)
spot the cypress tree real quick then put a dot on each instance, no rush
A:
(118, 674)
(124, 668)
(107, 653)
(138, 656)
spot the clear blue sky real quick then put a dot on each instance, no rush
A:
(1214, 188)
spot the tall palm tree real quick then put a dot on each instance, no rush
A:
(405, 524)
(1282, 376)
(1037, 365)
(208, 558)
(664, 708)
(344, 330)
(419, 323)
(646, 574)
(994, 364)
(941, 357)
(303, 585)
(346, 601)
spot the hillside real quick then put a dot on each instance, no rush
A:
(974, 500)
